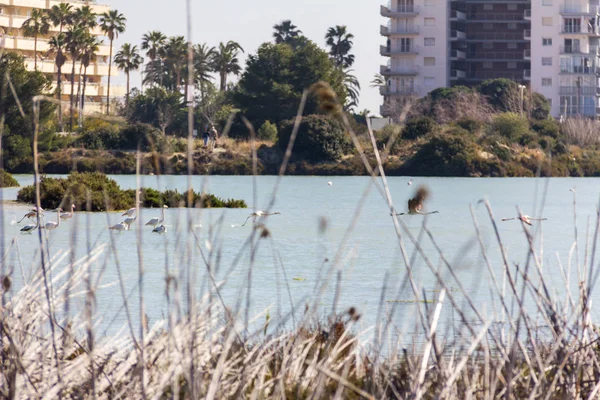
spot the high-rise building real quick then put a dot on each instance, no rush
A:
(13, 13)
(551, 46)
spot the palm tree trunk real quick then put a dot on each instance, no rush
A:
(109, 69)
(72, 95)
(83, 90)
(35, 53)
(223, 81)
(60, 116)
(127, 94)
(78, 85)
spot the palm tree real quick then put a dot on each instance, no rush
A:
(85, 17)
(112, 23)
(36, 25)
(225, 61)
(61, 15)
(154, 43)
(203, 60)
(58, 45)
(340, 43)
(89, 50)
(285, 32)
(175, 58)
(352, 88)
(75, 39)
(128, 59)
(378, 81)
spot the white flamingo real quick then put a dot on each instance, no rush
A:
(410, 181)
(128, 221)
(131, 211)
(28, 228)
(120, 227)
(68, 215)
(416, 203)
(31, 214)
(259, 213)
(160, 229)
(525, 218)
(155, 221)
(51, 225)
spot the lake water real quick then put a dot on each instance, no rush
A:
(369, 251)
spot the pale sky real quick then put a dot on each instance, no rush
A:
(250, 23)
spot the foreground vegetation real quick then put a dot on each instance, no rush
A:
(96, 192)
(7, 180)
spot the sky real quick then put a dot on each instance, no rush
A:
(250, 23)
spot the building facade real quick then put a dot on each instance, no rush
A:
(13, 13)
(551, 46)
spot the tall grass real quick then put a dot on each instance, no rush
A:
(537, 346)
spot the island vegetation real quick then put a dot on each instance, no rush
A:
(7, 180)
(94, 191)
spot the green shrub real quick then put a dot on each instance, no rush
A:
(320, 138)
(7, 180)
(560, 148)
(389, 132)
(457, 130)
(268, 131)
(470, 124)
(527, 139)
(17, 149)
(498, 92)
(148, 137)
(547, 142)
(540, 107)
(546, 127)
(502, 152)
(419, 127)
(510, 125)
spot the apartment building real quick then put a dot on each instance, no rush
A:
(13, 13)
(552, 46)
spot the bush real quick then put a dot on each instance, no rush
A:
(383, 136)
(7, 180)
(268, 131)
(17, 150)
(540, 107)
(510, 125)
(547, 142)
(560, 148)
(418, 127)
(499, 92)
(320, 138)
(527, 139)
(470, 124)
(105, 194)
(546, 127)
(148, 137)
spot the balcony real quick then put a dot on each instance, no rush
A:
(527, 74)
(580, 70)
(399, 71)
(457, 74)
(527, 15)
(574, 49)
(399, 11)
(588, 29)
(16, 21)
(496, 56)
(399, 50)
(401, 30)
(527, 34)
(457, 15)
(48, 66)
(527, 54)
(579, 91)
(28, 43)
(457, 55)
(579, 9)
(457, 35)
(497, 17)
(402, 91)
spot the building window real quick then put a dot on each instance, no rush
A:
(511, 65)
(429, 81)
(546, 61)
(429, 21)
(487, 45)
(429, 61)
(429, 41)
(547, 21)
(487, 65)
(488, 7)
(549, 102)
(512, 25)
(546, 81)
(488, 26)
(511, 46)
(511, 7)
(546, 41)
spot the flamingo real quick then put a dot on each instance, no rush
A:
(128, 221)
(409, 182)
(155, 221)
(120, 227)
(416, 203)
(131, 211)
(51, 225)
(29, 215)
(526, 219)
(28, 228)
(68, 215)
(259, 213)
(160, 229)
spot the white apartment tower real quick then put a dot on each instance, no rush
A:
(565, 38)
(417, 46)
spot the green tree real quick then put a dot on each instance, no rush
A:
(378, 81)
(268, 131)
(498, 92)
(339, 41)
(272, 84)
(203, 61)
(128, 59)
(175, 62)
(153, 42)
(61, 15)
(57, 47)
(286, 32)
(352, 88)
(89, 51)
(36, 25)
(112, 24)
(157, 107)
(84, 17)
(225, 61)
(76, 37)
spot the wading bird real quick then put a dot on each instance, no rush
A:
(128, 221)
(409, 182)
(130, 212)
(415, 205)
(28, 228)
(160, 229)
(51, 225)
(526, 219)
(259, 213)
(120, 227)
(155, 221)
(31, 214)
(68, 215)
(330, 183)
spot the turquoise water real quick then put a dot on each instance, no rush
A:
(361, 257)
